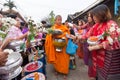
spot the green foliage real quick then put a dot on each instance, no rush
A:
(32, 30)
(50, 30)
(3, 28)
(3, 34)
(22, 46)
(52, 17)
(10, 4)
(106, 34)
(31, 37)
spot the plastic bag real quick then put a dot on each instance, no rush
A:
(71, 47)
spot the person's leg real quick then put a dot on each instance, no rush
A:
(56, 74)
(91, 73)
(64, 76)
(86, 53)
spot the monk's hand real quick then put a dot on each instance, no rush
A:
(73, 37)
(3, 58)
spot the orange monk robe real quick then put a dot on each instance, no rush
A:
(60, 60)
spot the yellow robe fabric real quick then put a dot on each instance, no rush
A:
(60, 60)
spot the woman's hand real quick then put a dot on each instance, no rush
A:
(11, 39)
(6, 42)
(23, 36)
(95, 47)
(105, 44)
(3, 58)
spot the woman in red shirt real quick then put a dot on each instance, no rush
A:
(107, 32)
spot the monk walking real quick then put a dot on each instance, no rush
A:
(60, 60)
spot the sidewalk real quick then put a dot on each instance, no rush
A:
(80, 73)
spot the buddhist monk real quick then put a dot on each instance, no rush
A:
(60, 60)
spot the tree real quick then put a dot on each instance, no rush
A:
(10, 4)
(52, 17)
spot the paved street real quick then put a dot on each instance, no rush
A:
(80, 73)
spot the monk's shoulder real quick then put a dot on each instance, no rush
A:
(64, 27)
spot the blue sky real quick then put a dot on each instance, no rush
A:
(39, 9)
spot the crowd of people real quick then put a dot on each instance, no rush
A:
(101, 57)
(95, 56)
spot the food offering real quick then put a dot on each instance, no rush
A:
(34, 76)
(33, 67)
(81, 32)
(93, 40)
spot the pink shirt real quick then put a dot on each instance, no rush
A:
(14, 32)
(39, 36)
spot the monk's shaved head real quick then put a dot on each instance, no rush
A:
(58, 20)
